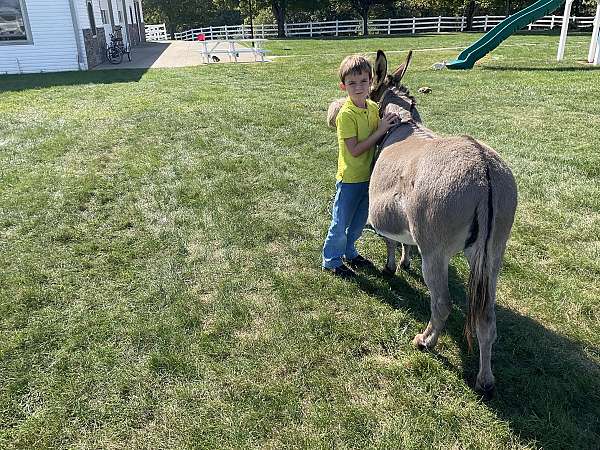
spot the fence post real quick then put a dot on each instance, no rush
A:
(462, 23)
(552, 22)
(389, 26)
(414, 30)
(337, 27)
(439, 23)
(485, 23)
(285, 29)
(310, 26)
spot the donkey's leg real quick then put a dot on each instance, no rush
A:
(435, 273)
(390, 263)
(405, 260)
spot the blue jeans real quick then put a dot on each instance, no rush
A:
(349, 216)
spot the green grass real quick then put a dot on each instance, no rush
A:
(160, 283)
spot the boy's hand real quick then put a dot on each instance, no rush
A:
(387, 122)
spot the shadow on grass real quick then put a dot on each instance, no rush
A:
(547, 386)
(16, 83)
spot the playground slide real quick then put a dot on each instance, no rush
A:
(504, 29)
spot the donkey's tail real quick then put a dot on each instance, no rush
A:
(480, 294)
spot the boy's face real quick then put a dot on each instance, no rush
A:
(357, 86)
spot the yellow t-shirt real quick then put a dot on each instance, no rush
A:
(354, 121)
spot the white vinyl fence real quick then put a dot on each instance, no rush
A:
(377, 26)
(157, 32)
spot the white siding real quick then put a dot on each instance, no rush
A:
(53, 48)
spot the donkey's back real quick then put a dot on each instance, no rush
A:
(426, 192)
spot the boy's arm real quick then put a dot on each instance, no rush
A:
(358, 148)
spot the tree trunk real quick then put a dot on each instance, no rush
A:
(365, 17)
(470, 13)
(279, 13)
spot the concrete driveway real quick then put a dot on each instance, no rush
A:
(168, 54)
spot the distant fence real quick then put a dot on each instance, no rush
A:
(377, 26)
(157, 32)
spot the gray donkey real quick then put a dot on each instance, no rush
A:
(443, 195)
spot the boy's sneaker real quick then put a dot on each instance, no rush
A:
(342, 271)
(360, 262)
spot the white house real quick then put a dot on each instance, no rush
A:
(59, 35)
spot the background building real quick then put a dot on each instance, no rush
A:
(44, 36)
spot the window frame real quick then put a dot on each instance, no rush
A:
(92, 17)
(29, 40)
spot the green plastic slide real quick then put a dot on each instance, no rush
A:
(504, 29)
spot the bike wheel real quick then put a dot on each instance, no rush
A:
(113, 55)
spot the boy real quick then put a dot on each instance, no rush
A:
(358, 130)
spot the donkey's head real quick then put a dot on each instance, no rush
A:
(387, 90)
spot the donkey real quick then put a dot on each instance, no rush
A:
(443, 195)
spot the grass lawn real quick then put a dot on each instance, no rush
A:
(160, 282)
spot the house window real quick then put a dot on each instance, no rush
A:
(104, 14)
(90, 10)
(14, 23)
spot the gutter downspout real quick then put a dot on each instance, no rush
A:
(76, 34)
(126, 24)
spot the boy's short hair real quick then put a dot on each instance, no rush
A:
(354, 65)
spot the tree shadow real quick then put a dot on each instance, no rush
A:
(17, 83)
(547, 385)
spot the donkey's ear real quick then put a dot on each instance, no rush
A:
(379, 70)
(401, 70)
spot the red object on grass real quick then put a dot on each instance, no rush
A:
(201, 37)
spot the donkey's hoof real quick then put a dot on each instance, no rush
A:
(388, 272)
(419, 342)
(487, 391)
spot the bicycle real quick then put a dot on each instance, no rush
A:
(116, 49)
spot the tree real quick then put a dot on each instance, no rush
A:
(279, 9)
(363, 8)
(180, 14)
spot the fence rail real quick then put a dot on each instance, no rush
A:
(377, 26)
(157, 32)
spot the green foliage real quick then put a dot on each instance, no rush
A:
(185, 14)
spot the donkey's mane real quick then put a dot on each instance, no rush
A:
(403, 91)
(399, 96)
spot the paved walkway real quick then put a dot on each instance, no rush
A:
(169, 54)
